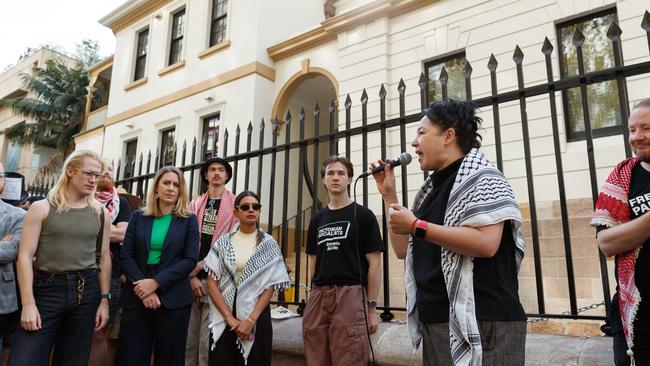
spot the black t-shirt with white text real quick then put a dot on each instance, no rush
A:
(207, 229)
(332, 238)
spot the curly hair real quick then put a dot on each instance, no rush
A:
(461, 116)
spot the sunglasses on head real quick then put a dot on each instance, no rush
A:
(247, 206)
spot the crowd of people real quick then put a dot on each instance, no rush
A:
(101, 280)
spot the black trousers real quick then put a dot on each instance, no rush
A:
(226, 351)
(164, 330)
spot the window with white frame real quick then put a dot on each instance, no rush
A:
(456, 79)
(141, 54)
(218, 19)
(598, 53)
(176, 41)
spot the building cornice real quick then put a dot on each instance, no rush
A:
(101, 66)
(330, 28)
(252, 68)
(130, 12)
(81, 136)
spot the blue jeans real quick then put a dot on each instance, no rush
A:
(67, 320)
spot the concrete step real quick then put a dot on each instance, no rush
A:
(392, 346)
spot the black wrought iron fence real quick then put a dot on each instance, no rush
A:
(269, 174)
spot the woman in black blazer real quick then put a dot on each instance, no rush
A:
(158, 254)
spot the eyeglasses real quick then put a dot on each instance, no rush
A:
(90, 174)
(3, 175)
(246, 206)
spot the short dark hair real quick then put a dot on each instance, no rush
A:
(644, 103)
(461, 116)
(336, 159)
(246, 194)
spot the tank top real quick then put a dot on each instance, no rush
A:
(68, 240)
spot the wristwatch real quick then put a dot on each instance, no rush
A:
(372, 304)
(106, 296)
(420, 229)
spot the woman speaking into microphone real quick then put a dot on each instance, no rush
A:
(462, 244)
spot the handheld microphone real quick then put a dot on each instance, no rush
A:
(403, 159)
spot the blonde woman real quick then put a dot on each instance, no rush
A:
(158, 254)
(61, 298)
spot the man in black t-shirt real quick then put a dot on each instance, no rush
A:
(344, 247)
(214, 211)
(623, 230)
(105, 341)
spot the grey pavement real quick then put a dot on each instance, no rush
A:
(393, 347)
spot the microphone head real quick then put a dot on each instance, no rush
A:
(404, 158)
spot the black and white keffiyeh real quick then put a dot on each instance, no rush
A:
(480, 196)
(264, 269)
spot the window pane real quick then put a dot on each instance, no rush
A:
(604, 106)
(167, 147)
(178, 23)
(210, 136)
(598, 54)
(219, 8)
(141, 54)
(12, 161)
(143, 39)
(455, 83)
(218, 24)
(175, 51)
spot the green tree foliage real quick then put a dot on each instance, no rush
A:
(55, 102)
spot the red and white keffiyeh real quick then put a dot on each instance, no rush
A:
(613, 209)
(225, 219)
(111, 200)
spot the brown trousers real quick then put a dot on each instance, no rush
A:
(334, 327)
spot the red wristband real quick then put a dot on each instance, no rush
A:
(415, 222)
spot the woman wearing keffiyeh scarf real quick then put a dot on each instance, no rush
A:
(245, 267)
(462, 245)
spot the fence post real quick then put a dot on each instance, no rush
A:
(518, 57)
(547, 49)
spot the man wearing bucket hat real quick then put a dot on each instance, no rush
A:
(214, 211)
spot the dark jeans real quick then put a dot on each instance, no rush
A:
(67, 321)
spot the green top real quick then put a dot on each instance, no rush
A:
(68, 240)
(158, 234)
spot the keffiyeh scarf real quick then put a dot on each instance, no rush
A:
(264, 269)
(480, 196)
(612, 209)
(225, 219)
(110, 200)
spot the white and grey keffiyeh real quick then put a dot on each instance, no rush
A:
(264, 269)
(480, 196)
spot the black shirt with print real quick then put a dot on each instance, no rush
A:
(495, 279)
(333, 237)
(207, 229)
